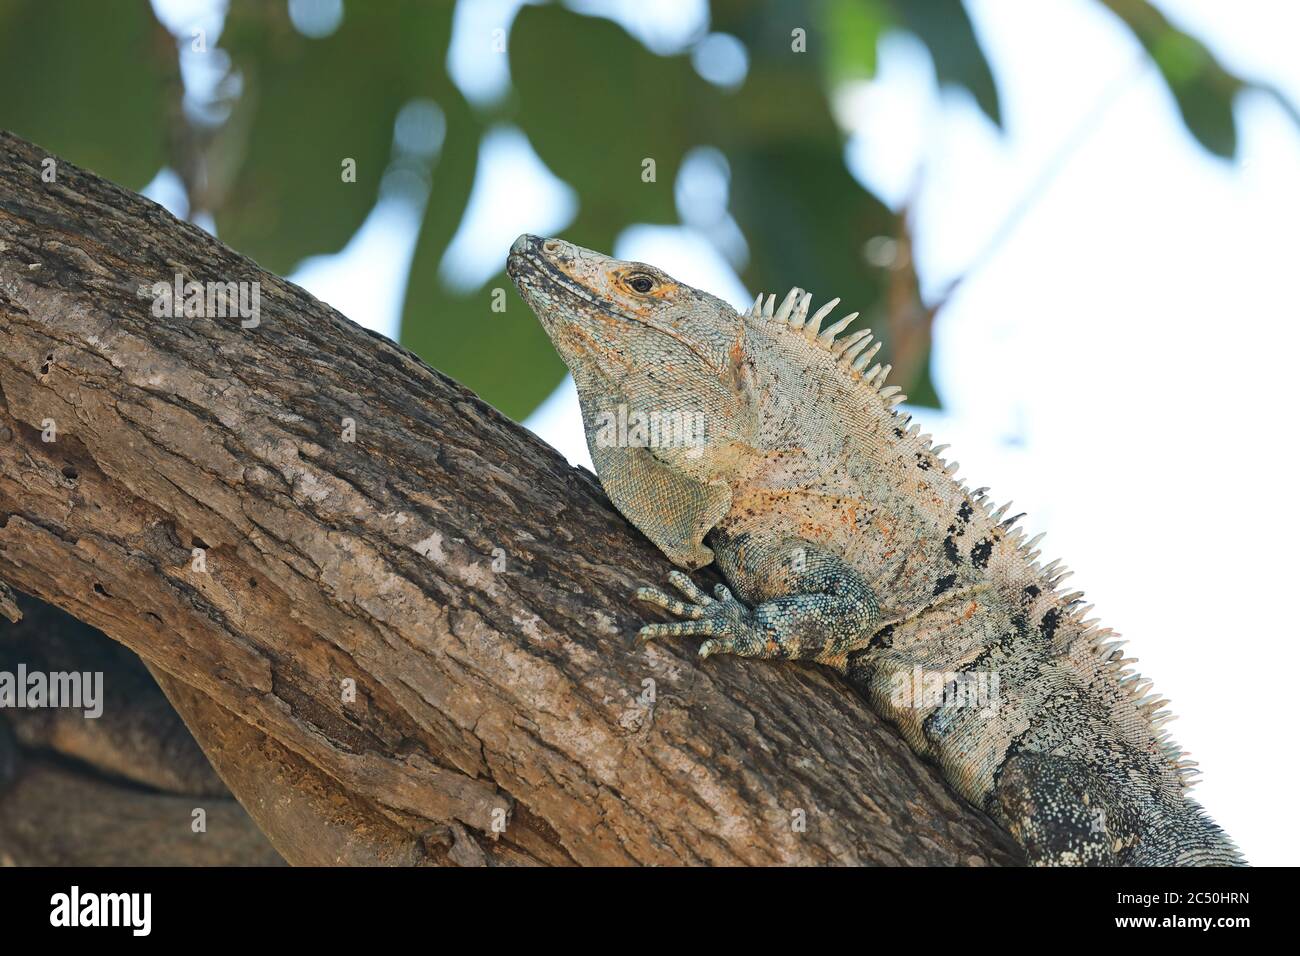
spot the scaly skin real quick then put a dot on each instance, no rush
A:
(848, 541)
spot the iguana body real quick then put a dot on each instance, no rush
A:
(850, 543)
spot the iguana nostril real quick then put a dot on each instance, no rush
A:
(551, 246)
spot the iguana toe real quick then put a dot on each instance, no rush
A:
(669, 603)
(688, 587)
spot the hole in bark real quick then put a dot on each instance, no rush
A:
(199, 543)
(252, 582)
(69, 472)
(99, 589)
(45, 369)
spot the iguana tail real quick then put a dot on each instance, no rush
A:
(1066, 813)
(1186, 836)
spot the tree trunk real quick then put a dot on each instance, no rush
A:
(411, 645)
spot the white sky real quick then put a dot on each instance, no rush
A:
(1081, 365)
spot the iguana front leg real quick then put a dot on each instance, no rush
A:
(812, 605)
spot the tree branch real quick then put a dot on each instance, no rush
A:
(472, 585)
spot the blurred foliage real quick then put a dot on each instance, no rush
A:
(946, 30)
(92, 82)
(1202, 88)
(307, 104)
(98, 83)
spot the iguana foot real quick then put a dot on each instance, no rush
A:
(728, 624)
(826, 609)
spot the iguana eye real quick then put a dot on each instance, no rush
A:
(641, 283)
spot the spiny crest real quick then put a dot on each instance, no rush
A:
(1101, 641)
(854, 352)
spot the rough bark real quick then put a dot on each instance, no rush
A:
(473, 585)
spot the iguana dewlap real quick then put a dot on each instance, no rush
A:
(766, 444)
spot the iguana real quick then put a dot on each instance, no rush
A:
(847, 541)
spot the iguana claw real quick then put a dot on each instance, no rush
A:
(724, 619)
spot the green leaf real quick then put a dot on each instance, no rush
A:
(309, 104)
(852, 28)
(1202, 88)
(944, 27)
(89, 81)
(815, 234)
(596, 105)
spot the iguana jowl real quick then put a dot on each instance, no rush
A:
(849, 542)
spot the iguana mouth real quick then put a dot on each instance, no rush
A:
(532, 271)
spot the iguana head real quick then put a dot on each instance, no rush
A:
(617, 315)
(659, 369)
